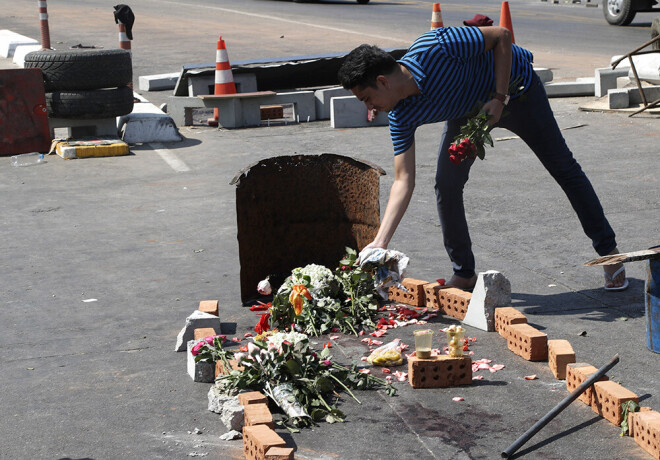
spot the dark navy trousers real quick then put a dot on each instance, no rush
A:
(529, 117)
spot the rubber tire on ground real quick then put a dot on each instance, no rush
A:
(82, 68)
(623, 17)
(363, 2)
(99, 103)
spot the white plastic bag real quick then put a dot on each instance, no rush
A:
(389, 265)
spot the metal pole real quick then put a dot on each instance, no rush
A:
(559, 407)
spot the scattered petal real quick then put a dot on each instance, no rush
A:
(457, 398)
(333, 337)
(236, 339)
(328, 345)
(388, 379)
(478, 377)
(386, 371)
(247, 334)
(364, 358)
(361, 332)
(441, 281)
(365, 371)
(531, 377)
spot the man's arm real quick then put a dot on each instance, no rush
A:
(400, 194)
(498, 39)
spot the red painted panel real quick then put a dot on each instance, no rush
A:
(23, 117)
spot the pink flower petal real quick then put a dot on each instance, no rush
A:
(361, 332)
(531, 377)
(364, 358)
(365, 371)
(236, 339)
(498, 367)
(388, 379)
(247, 334)
(386, 371)
(478, 377)
(333, 337)
(483, 366)
(377, 342)
(457, 398)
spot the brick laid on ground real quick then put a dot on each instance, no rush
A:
(209, 306)
(528, 342)
(258, 439)
(439, 371)
(576, 374)
(607, 398)
(560, 353)
(258, 414)
(505, 317)
(415, 295)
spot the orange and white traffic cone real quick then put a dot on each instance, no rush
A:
(124, 42)
(224, 79)
(43, 20)
(505, 19)
(436, 17)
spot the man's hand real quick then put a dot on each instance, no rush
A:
(494, 109)
(371, 245)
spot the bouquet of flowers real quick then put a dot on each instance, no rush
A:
(305, 384)
(316, 301)
(471, 138)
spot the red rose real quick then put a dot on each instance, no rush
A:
(263, 325)
(454, 159)
(198, 347)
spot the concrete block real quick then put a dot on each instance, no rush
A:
(492, 290)
(618, 98)
(606, 79)
(528, 342)
(505, 317)
(201, 371)
(64, 128)
(576, 374)
(570, 89)
(10, 40)
(147, 123)
(646, 432)
(159, 82)
(560, 354)
(209, 306)
(258, 414)
(279, 453)
(323, 98)
(607, 398)
(204, 332)
(454, 302)
(349, 112)
(439, 371)
(544, 74)
(21, 51)
(258, 439)
(227, 405)
(415, 295)
(651, 93)
(252, 397)
(196, 320)
(648, 68)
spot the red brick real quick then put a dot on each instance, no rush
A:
(607, 399)
(209, 306)
(631, 420)
(258, 414)
(439, 371)
(220, 367)
(528, 342)
(252, 397)
(431, 292)
(576, 373)
(560, 353)
(646, 432)
(454, 302)
(505, 317)
(279, 453)
(415, 295)
(258, 439)
(204, 332)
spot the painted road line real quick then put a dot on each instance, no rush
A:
(170, 157)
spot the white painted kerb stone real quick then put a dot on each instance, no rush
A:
(492, 290)
(197, 320)
(201, 371)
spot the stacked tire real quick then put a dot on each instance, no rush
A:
(85, 83)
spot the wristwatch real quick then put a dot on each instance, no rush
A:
(503, 98)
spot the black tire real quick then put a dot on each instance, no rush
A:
(82, 69)
(99, 103)
(619, 12)
(363, 2)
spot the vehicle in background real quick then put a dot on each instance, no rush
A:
(622, 12)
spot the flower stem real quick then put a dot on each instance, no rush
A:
(344, 386)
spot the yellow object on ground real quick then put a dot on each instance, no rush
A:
(93, 147)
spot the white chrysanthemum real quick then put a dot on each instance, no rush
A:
(293, 337)
(320, 276)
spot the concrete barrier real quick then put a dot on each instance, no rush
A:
(160, 82)
(21, 51)
(580, 87)
(323, 98)
(349, 112)
(147, 123)
(605, 79)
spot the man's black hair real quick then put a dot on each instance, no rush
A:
(363, 65)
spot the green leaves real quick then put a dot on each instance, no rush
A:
(626, 408)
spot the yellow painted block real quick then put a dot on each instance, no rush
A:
(86, 148)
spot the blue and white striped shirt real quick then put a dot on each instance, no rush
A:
(453, 74)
